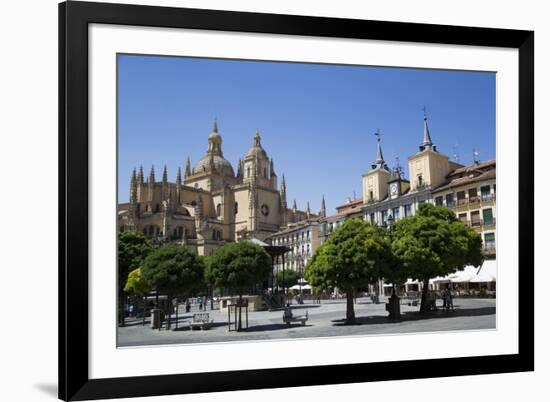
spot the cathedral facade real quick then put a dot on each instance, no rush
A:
(209, 204)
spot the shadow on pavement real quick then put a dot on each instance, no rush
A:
(185, 327)
(416, 315)
(272, 327)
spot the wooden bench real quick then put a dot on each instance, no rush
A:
(201, 320)
(295, 318)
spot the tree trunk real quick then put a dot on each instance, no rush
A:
(350, 312)
(424, 300)
(239, 324)
(144, 309)
(121, 312)
(169, 312)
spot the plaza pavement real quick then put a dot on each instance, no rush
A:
(325, 320)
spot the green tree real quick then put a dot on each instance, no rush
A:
(136, 285)
(288, 278)
(133, 247)
(434, 243)
(238, 266)
(173, 270)
(352, 257)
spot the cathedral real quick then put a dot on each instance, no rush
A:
(209, 204)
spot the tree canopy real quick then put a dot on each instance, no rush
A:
(173, 270)
(352, 257)
(136, 284)
(434, 243)
(133, 247)
(238, 266)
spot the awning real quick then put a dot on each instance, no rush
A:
(487, 273)
(297, 287)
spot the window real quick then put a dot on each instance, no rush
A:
(488, 216)
(439, 200)
(219, 209)
(472, 195)
(384, 215)
(461, 197)
(475, 217)
(248, 171)
(420, 181)
(236, 208)
(407, 210)
(489, 240)
(265, 172)
(395, 213)
(371, 195)
(449, 200)
(485, 193)
(463, 218)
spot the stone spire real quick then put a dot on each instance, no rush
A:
(165, 175)
(188, 167)
(323, 210)
(427, 144)
(178, 177)
(294, 206)
(133, 188)
(178, 186)
(379, 162)
(140, 179)
(308, 210)
(152, 175)
(283, 193)
(240, 169)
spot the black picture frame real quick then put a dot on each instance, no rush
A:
(74, 381)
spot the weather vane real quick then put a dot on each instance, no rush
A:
(377, 134)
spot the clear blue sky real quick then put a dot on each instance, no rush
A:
(316, 121)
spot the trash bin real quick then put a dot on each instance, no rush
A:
(156, 318)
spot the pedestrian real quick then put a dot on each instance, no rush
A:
(450, 301)
(187, 306)
(200, 304)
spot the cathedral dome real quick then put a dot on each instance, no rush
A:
(221, 165)
(213, 161)
(256, 149)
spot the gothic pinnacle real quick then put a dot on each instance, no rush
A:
(188, 167)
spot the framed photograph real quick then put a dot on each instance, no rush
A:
(258, 201)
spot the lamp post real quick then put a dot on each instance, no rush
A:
(300, 261)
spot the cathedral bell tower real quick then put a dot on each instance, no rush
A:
(375, 181)
(427, 168)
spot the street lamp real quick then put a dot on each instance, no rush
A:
(300, 261)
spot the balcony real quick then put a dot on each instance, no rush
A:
(473, 201)
(487, 199)
(479, 224)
